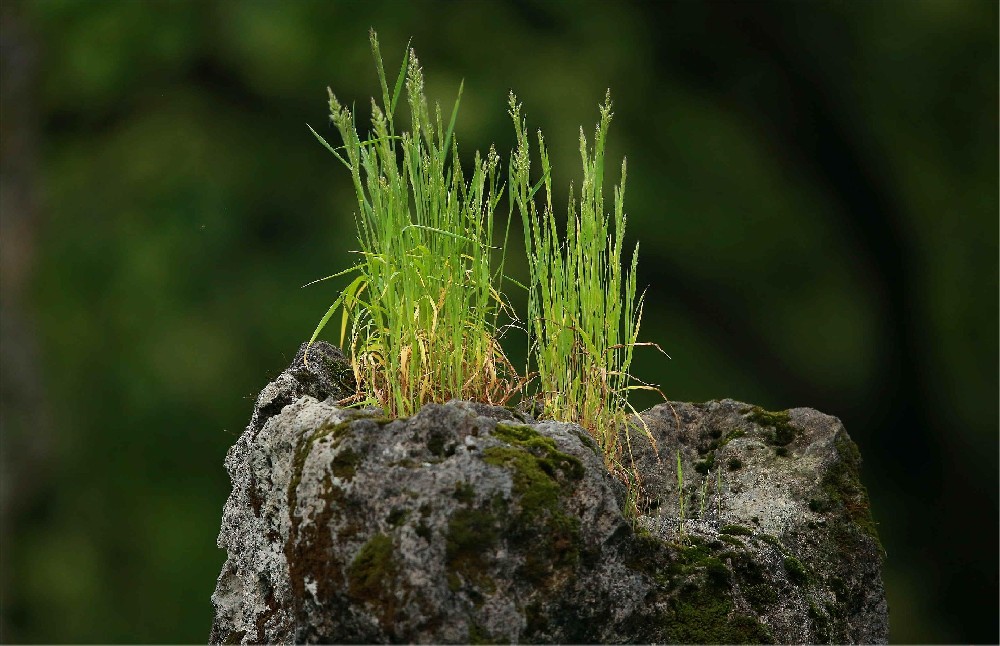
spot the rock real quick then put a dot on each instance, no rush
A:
(471, 523)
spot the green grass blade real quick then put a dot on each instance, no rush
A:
(326, 317)
(328, 146)
(399, 81)
(336, 275)
(451, 123)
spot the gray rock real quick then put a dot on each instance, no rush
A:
(471, 523)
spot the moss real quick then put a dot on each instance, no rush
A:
(479, 635)
(589, 443)
(730, 436)
(535, 619)
(704, 466)
(820, 624)
(699, 608)
(734, 464)
(543, 448)
(302, 451)
(732, 540)
(797, 572)
(371, 579)
(736, 530)
(548, 536)
(839, 588)
(782, 432)
(760, 596)
(842, 487)
(370, 574)
(423, 531)
(714, 440)
(533, 478)
(767, 538)
(820, 506)
(308, 550)
(650, 556)
(438, 445)
(464, 493)
(539, 465)
(754, 584)
(747, 630)
(844, 500)
(472, 536)
(513, 432)
(718, 574)
(397, 516)
(345, 463)
(705, 617)
(781, 452)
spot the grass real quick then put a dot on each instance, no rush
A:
(424, 311)
(423, 307)
(583, 311)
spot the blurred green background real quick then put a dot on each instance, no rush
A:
(814, 186)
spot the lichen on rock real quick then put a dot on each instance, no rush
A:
(476, 524)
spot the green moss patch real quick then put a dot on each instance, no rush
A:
(702, 611)
(704, 466)
(471, 539)
(464, 493)
(841, 489)
(308, 551)
(736, 530)
(371, 578)
(543, 448)
(696, 581)
(714, 440)
(730, 436)
(345, 464)
(397, 517)
(439, 445)
(782, 432)
(772, 540)
(547, 535)
(705, 618)
(373, 569)
(479, 635)
(797, 573)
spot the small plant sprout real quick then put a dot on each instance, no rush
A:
(718, 494)
(704, 494)
(424, 305)
(680, 494)
(583, 311)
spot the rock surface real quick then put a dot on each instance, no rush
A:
(470, 523)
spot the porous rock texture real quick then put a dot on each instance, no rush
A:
(473, 524)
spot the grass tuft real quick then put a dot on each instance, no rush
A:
(583, 311)
(423, 307)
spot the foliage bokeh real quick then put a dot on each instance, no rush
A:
(814, 186)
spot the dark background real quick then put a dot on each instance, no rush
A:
(814, 185)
